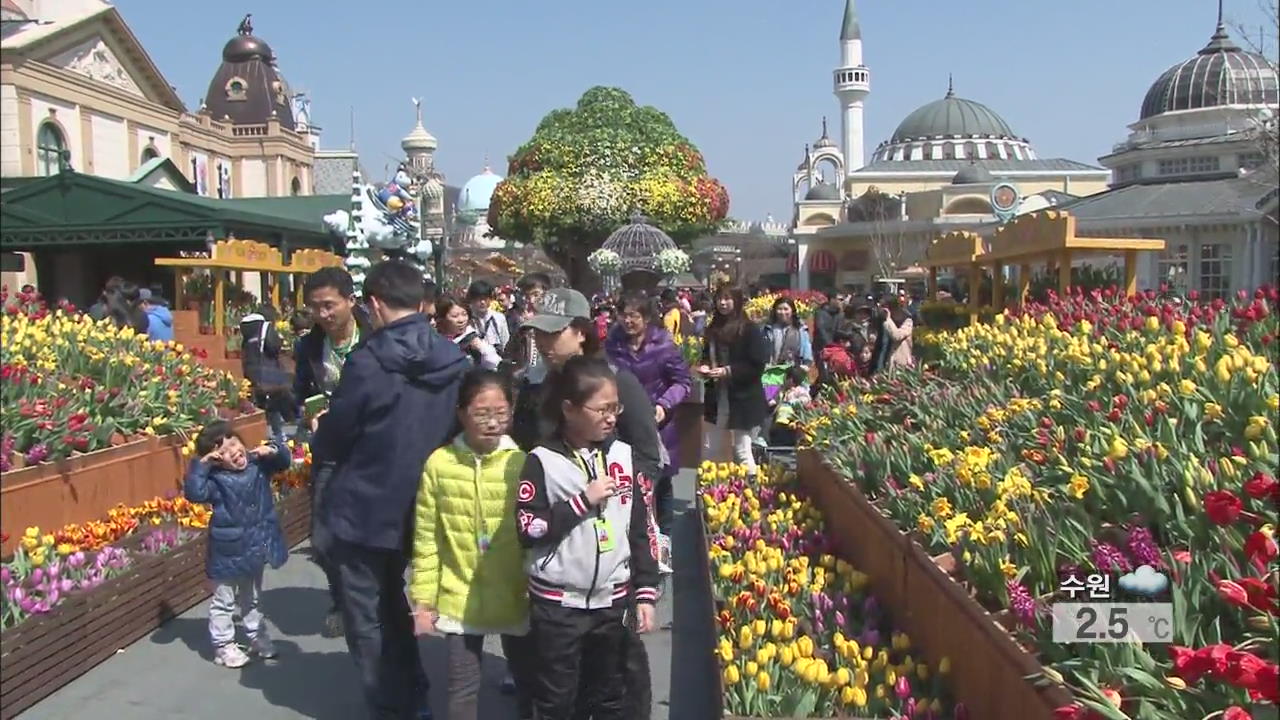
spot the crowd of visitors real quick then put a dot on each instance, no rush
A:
(511, 454)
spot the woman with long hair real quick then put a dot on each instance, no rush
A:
(124, 308)
(895, 336)
(789, 345)
(453, 321)
(733, 362)
(637, 343)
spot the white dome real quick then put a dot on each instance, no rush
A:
(418, 139)
(478, 190)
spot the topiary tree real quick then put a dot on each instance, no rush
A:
(586, 169)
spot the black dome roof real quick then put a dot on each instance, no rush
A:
(247, 88)
(1220, 74)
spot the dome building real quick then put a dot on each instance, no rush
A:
(1197, 169)
(936, 172)
(471, 227)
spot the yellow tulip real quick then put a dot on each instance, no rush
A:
(762, 680)
(731, 675)
(752, 667)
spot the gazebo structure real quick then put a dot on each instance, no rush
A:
(1047, 237)
(638, 244)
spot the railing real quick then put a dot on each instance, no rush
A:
(249, 130)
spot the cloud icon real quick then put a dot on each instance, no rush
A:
(1144, 580)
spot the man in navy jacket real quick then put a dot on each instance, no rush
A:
(393, 407)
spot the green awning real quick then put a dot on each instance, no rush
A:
(71, 208)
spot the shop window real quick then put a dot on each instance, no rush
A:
(50, 149)
(1173, 267)
(1215, 270)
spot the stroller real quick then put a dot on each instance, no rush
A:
(777, 442)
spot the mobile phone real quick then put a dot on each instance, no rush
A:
(314, 404)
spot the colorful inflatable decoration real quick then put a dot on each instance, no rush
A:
(383, 223)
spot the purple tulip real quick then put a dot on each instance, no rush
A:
(909, 708)
(870, 636)
(29, 605)
(16, 594)
(77, 559)
(840, 620)
(37, 575)
(5, 576)
(54, 568)
(52, 598)
(870, 607)
(66, 585)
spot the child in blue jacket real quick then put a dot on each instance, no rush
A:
(244, 534)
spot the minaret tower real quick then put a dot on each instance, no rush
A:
(852, 85)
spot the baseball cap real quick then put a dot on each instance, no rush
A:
(557, 308)
(144, 294)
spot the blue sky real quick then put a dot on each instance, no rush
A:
(747, 81)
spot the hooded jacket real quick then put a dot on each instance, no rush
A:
(159, 322)
(244, 530)
(467, 562)
(260, 353)
(393, 407)
(581, 556)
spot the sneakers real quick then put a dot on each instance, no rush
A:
(263, 647)
(230, 656)
(333, 625)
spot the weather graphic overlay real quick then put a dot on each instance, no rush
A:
(1138, 612)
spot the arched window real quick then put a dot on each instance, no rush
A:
(948, 151)
(149, 153)
(50, 146)
(970, 150)
(295, 187)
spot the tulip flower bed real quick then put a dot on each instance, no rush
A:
(74, 386)
(70, 601)
(1093, 435)
(800, 636)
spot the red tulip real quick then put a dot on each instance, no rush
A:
(1261, 549)
(1260, 486)
(1222, 507)
(1236, 712)
(1233, 593)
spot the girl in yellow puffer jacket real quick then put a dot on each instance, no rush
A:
(468, 575)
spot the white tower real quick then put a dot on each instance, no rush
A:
(852, 83)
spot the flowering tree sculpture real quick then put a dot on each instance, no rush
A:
(586, 169)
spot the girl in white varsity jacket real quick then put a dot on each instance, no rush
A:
(581, 513)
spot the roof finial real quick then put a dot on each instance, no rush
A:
(1220, 41)
(486, 163)
(417, 108)
(246, 25)
(824, 126)
(1219, 13)
(849, 29)
(951, 87)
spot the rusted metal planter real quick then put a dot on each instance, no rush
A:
(989, 669)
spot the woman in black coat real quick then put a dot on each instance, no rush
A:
(734, 357)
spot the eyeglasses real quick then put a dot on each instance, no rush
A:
(606, 411)
(486, 417)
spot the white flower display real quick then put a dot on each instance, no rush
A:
(673, 261)
(604, 262)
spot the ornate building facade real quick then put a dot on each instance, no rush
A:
(77, 87)
(857, 219)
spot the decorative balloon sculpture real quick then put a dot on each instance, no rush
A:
(383, 222)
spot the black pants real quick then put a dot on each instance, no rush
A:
(464, 655)
(320, 538)
(575, 649)
(375, 613)
(638, 684)
(663, 497)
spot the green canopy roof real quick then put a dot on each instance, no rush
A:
(71, 208)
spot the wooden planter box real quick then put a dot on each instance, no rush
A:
(85, 487)
(48, 651)
(989, 669)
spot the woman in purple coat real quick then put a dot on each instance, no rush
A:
(637, 344)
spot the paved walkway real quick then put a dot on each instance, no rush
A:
(170, 674)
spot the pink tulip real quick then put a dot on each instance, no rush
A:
(76, 560)
(902, 688)
(66, 585)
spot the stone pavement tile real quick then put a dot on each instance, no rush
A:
(170, 675)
